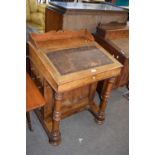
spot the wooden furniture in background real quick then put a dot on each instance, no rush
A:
(76, 16)
(62, 0)
(93, 1)
(114, 37)
(67, 66)
(113, 30)
(34, 99)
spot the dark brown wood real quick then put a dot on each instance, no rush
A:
(114, 38)
(72, 92)
(28, 68)
(53, 20)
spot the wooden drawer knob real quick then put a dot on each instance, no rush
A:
(93, 77)
(38, 77)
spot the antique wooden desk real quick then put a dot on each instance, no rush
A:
(114, 37)
(76, 16)
(67, 65)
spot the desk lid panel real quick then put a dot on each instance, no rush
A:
(76, 59)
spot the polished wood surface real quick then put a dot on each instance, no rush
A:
(66, 92)
(67, 82)
(34, 99)
(53, 20)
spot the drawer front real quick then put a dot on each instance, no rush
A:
(91, 79)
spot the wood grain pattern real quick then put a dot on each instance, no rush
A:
(105, 95)
(33, 97)
(114, 38)
(55, 134)
(72, 92)
(53, 20)
(113, 30)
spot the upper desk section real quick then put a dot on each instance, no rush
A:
(72, 6)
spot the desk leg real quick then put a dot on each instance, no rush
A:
(105, 95)
(55, 138)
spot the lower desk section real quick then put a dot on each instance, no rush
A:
(72, 102)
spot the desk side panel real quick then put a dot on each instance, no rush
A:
(90, 20)
(41, 67)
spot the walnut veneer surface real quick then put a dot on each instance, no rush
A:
(67, 65)
(123, 44)
(114, 37)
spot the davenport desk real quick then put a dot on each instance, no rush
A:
(114, 37)
(66, 65)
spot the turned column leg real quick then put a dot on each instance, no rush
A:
(105, 95)
(55, 138)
